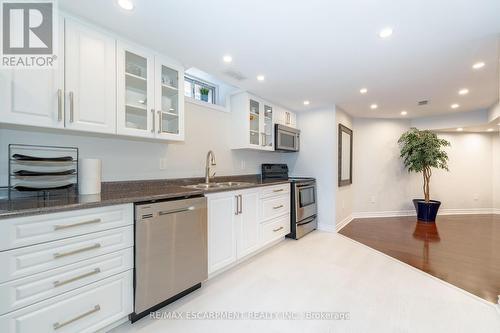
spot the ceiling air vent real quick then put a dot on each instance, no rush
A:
(422, 103)
(235, 75)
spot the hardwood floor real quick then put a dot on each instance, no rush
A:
(463, 250)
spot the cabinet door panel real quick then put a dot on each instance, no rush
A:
(135, 94)
(31, 97)
(169, 100)
(90, 79)
(221, 231)
(248, 233)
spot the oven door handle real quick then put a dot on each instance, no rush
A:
(302, 187)
(309, 220)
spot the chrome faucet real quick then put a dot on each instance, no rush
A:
(210, 162)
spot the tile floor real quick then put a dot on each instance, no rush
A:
(327, 272)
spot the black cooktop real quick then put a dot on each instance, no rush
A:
(280, 171)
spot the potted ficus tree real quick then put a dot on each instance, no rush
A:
(421, 151)
(204, 94)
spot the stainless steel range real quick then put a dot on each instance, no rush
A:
(303, 199)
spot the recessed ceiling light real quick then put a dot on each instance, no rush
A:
(260, 77)
(490, 129)
(454, 106)
(478, 65)
(227, 58)
(460, 129)
(385, 33)
(363, 90)
(464, 91)
(373, 106)
(404, 113)
(126, 4)
(306, 102)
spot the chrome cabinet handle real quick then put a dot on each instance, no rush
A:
(154, 121)
(280, 190)
(66, 226)
(65, 254)
(276, 230)
(160, 121)
(76, 278)
(237, 205)
(241, 204)
(173, 211)
(59, 105)
(59, 325)
(71, 106)
(278, 207)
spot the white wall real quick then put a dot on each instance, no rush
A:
(317, 158)
(344, 193)
(127, 159)
(496, 171)
(381, 183)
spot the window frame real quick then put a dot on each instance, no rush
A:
(193, 81)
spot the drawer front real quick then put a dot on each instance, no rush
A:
(275, 229)
(270, 191)
(43, 257)
(274, 207)
(86, 309)
(23, 292)
(31, 230)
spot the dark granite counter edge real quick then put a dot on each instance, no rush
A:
(173, 189)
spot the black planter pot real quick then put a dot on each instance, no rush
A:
(426, 211)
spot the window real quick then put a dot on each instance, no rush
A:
(192, 88)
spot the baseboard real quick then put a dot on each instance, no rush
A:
(343, 223)
(448, 211)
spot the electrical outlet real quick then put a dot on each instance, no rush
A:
(373, 199)
(476, 197)
(163, 163)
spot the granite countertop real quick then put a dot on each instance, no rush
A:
(115, 193)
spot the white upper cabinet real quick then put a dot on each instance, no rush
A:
(150, 97)
(135, 95)
(285, 117)
(169, 99)
(253, 126)
(33, 96)
(90, 79)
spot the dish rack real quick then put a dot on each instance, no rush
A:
(42, 170)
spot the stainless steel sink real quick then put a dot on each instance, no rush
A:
(213, 186)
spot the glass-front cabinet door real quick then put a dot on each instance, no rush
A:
(267, 130)
(169, 101)
(255, 118)
(135, 92)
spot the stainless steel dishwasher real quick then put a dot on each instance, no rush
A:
(170, 252)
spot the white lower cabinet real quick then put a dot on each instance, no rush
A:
(235, 230)
(86, 309)
(38, 287)
(67, 272)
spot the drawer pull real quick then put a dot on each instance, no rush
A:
(280, 190)
(76, 278)
(66, 226)
(278, 207)
(59, 325)
(276, 230)
(88, 248)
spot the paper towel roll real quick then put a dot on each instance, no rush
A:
(89, 174)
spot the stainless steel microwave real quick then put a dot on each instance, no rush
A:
(287, 138)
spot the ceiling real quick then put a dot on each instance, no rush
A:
(325, 51)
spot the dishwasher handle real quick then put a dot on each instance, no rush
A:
(174, 211)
